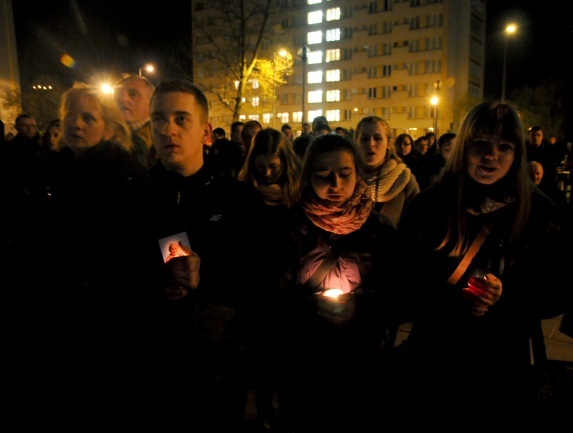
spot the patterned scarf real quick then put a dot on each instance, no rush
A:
(273, 194)
(340, 220)
(388, 180)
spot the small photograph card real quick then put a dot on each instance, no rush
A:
(176, 245)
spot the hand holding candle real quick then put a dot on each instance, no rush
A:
(483, 293)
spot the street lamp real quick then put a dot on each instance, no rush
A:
(303, 53)
(282, 53)
(509, 30)
(148, 68)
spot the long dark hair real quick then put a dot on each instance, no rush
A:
(487, 119)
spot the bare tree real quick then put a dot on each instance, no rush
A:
(229, 37)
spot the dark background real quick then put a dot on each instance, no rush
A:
(114, 36)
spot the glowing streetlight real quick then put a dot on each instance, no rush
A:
(509, 30)
(282, 53)
(147, 68)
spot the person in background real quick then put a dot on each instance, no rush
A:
(51, 136)
(432, 143)
(320, 126)
(286, 129)
(133, 96)
(306, 129)
(404, 145)
(438, 161)
(250, 128)
(208, 293)
(538, 149)
(22, 177)
(390, 181)
(474, 346)
(341, 131)
(334, 347)
(556, 194)
(217, 134)
(422, 144)
(274, 170)
(301, 143)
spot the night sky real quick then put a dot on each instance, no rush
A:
(114, 36)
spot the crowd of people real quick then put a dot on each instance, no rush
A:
(305, 256)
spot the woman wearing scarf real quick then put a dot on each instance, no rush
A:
(391, 183)
(334, 346)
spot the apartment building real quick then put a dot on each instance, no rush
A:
(412, 62)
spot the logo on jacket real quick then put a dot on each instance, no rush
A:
(216, 218)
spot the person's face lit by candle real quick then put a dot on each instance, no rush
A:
(334, 177)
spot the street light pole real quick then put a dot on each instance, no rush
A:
(434, 101)
(509, 29)
(274, 91)
(304, 57)
(282, 53)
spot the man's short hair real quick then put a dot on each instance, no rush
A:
(180, 85)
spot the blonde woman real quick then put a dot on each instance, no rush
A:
(391, 183)
(92, 244)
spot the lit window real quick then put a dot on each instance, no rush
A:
(315, 77)
(255, 101)
(332, 95)
(314, 37)
(315, 113)
(333, 115)
(297, 116)
(315, 96)
(267, 118)
(333, 55)
(314, 17)
(236, 84)
(255, 84)
(333, 14)
(333, 75)
(314, 2)
(314, 57)
(332, 35)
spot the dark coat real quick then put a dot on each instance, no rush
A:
(460, 360)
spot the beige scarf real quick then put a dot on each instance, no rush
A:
(273, 194)
(388, 180)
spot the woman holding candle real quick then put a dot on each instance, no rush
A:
(475, 342)
(333, 343)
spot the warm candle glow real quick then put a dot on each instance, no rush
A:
(332, 293)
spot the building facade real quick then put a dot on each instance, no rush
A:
(410, 62)
(9, 73)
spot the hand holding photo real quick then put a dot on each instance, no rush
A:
(177, 245)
